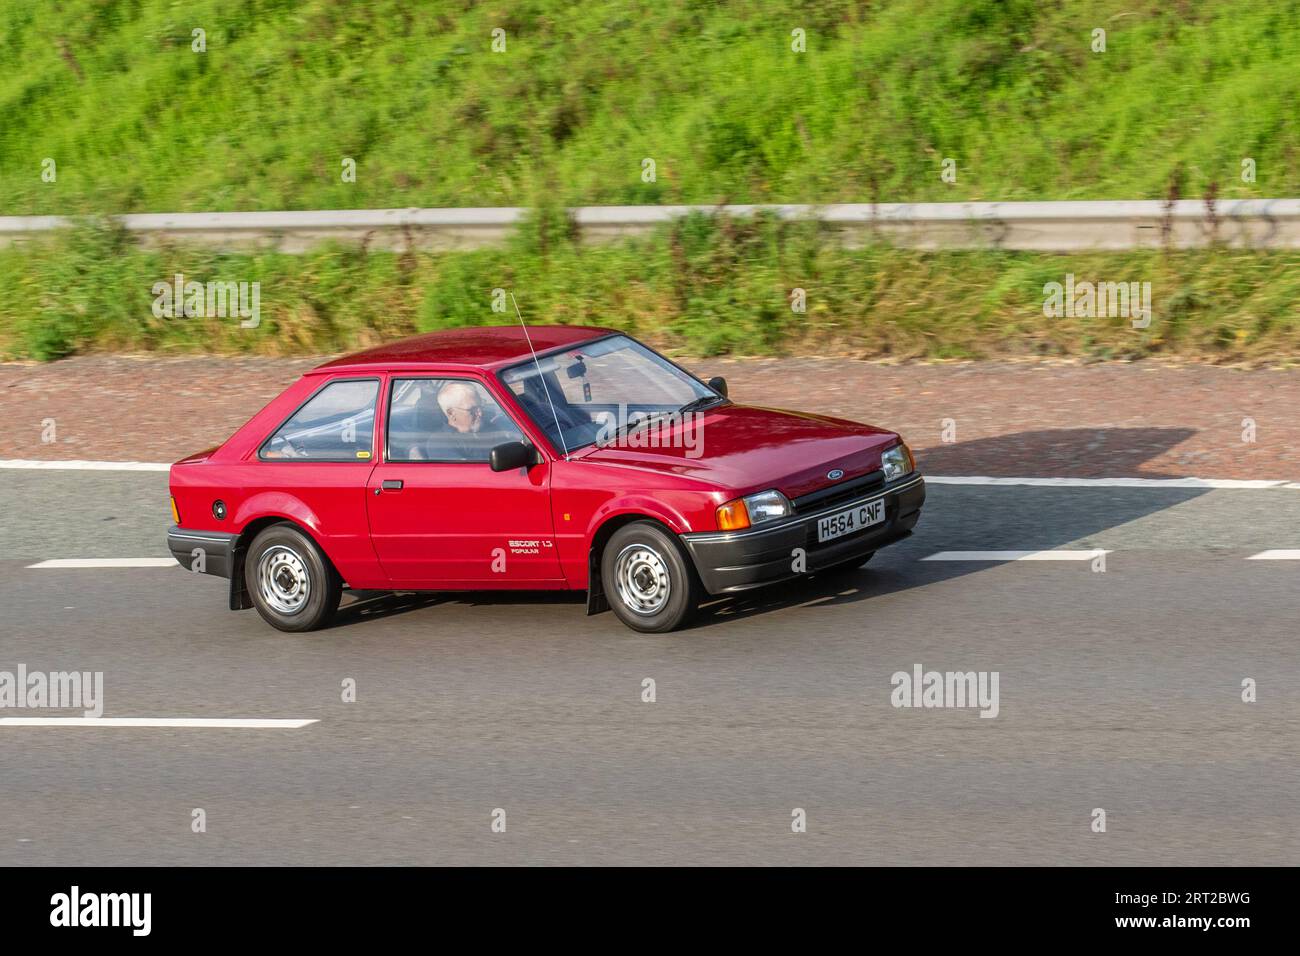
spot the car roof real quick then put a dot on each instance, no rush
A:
(484, 346)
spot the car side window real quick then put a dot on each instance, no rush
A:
(335, 424)
(445, 419)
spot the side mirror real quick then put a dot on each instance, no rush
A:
(511, 455)
(718, 384)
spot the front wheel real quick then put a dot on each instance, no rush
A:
(648, 580)
(292, 584)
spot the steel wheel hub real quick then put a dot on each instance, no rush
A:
(642, 579)
(283, 580)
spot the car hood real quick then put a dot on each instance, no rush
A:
(745, 448)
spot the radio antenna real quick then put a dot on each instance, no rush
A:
(558, 430)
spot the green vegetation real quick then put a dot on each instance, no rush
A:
(712, 92)
(135, 120)
(704, 286)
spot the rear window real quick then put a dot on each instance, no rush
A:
(336, 424)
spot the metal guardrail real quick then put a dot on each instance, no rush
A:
(1043, 226)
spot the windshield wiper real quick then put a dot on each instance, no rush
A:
(627, 429)
(691, 406)
(702, 402)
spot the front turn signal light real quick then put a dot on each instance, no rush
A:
(733, 516)
(176, 515)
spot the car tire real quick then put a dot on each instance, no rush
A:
(852, 564)
(648, 579)
(292, 584)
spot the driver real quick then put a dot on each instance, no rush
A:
(475, 428)
(463, 408)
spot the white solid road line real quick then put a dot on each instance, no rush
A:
(1234, 483)
(79, 465)
(107, 563)
(1017, 555)
(220, 723)
(1231, 483)
(1279, 554)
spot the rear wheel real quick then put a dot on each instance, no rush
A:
(648, 580)
(291, 583)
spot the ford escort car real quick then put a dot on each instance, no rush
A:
(531, 458)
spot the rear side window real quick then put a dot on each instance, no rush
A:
(336, 424)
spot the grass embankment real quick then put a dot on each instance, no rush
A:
(1012, 90)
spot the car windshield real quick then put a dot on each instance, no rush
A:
(589, 393)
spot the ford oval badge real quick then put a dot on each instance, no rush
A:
(835, 474)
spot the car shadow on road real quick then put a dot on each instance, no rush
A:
(955, 518)
(1053, 452)
(993, 518)
(359, 607)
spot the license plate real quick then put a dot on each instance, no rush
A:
(850, 520)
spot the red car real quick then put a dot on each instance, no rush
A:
(546, 457)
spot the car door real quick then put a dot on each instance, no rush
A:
(440, 518)
(314, 469)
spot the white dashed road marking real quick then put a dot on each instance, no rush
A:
(1279, 554)
(1017, 555)
(79, 465)
(1241, 484)
(107, 563)
(218, 723)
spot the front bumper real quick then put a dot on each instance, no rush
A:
(209, 552)
(738, 560)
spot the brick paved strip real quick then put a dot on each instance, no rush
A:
(984, 419)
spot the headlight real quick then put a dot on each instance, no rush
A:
(754, 509)
(897, 462)
(767, 505)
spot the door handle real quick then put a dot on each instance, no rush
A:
(392, 484)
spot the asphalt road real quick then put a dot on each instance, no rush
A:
(1118, 689)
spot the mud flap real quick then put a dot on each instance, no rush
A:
(596, 600)
(239, 597)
